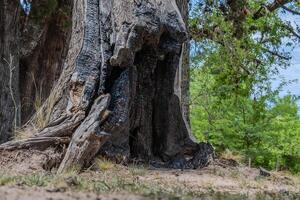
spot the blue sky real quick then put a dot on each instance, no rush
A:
(293, 72)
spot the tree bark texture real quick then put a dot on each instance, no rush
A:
(117, 90)
(9, 68)
(32, 56)
(183, 74)
(44, 43)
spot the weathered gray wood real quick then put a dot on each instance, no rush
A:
(76, 87)
(56, 104)
(140, 22)
(40, 143)
(183, 73)
(62, 128)
(88, 138)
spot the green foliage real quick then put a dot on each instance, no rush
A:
(269, 134)
(235, 56)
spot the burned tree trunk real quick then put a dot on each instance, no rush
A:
(116, 92)
(183, 73)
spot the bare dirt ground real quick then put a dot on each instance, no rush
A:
(22, 177)
(17, 193)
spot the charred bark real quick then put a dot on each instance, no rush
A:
(116, 92)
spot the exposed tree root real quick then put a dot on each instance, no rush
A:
(63, 127)
(40, 143)
(88, 138)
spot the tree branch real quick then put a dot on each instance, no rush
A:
(270, 8)
(294, 12)
(292, 31)
(11, 73)
(277, 54)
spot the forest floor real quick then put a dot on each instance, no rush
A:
(21, 179)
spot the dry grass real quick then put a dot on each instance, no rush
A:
(229, 155)
(104, 164)
(137, 170)
(40, 118)
(24, 132)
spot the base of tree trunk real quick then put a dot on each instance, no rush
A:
(116, 93)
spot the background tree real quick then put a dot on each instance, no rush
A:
(33, 48)
(239, 47)
(9, 67)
